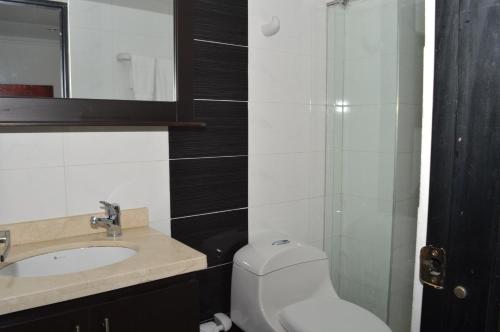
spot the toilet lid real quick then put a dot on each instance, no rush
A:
(329, 314)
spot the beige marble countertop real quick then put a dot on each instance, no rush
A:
(158, 257)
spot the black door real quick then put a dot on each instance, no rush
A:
(464, 207)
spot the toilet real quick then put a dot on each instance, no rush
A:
(282, 285)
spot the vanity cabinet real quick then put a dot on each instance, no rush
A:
(168, 305)
(69, 322)
(168, 309)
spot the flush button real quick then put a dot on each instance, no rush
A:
(460, 292)
(280, 242)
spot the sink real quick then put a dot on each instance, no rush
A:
(67, 261)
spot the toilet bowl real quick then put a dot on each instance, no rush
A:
(282, 285)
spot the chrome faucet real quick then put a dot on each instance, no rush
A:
(112, 221)
(5, 240)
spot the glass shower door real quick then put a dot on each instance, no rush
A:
(372, 159)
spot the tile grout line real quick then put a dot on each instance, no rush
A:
(215, 157)
(222, 100)
(209, 213)
(218, 43)
(218, 265)
(89, 164)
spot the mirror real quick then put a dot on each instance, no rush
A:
(88, 49)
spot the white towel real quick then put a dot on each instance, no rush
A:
(164, 80)
(143, 77)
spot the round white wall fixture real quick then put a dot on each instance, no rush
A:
(272, 28)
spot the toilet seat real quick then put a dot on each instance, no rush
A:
(329, 314)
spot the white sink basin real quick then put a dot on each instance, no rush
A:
(67, 261)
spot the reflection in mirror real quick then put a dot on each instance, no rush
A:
(122, 49)
(30, 51)
(117, 49)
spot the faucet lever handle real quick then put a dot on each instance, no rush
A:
(5, 240)
(5, 236)
(112, 209)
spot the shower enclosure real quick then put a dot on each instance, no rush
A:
(375, 72)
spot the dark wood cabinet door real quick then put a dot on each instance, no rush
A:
(174, 308)
(76, 321)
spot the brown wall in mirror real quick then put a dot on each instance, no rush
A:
(20, 90)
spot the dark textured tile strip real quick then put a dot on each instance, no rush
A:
(217, 235)
(226, 133)
(220, 72)
(224, 21)
(201, 186)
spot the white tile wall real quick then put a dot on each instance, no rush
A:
(364, 295)
(367, 220)
(409, 128)
(49, 175)
(303, 128)
(372, 80)
(114, 147)
(31, 150)
(287, 119)
(302, 219)
(369, 28)
(411, 78)
(133, 185)
(278, 178)
(367, 264)
(368, 174)
(36, 193)
(277, 76)
(376, 122)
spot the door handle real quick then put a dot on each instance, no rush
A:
(460, 292)
(77, 328)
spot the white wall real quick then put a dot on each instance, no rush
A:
(287, 86)
(48, 175)
(428, 98)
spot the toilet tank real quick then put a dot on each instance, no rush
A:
(272, 273)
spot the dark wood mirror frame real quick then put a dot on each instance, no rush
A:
(16, 111)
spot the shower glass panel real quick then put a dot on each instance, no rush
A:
(373, 152)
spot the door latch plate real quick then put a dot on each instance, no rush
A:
(433, 266)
